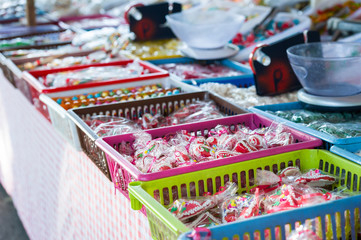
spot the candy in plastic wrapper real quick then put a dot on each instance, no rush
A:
(201, 152)
(243, 146)
(316, 178)
(227, 142)
(234, 206)
(305, 231)
(206, 219)
(184, 209)
(225, 153)
(110, 126)
(148, 121)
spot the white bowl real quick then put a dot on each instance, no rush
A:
(205, 29)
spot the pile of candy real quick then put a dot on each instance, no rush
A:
(287, 190)
(89, 23)
(247, 97)
(93, 74)
(117, 95)
(273, 28)
(340, 125)
(198, 70)
(342, 10)
(153, 49)
(183, 149)
(194, 112)
(55, 62)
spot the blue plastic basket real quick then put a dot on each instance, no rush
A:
(348, 151)
(328, 139)
(236, 230)
(244, 80)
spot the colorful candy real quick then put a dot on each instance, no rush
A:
(338, 124)
(184, 149)
(273, 28)
(198, 70)
(117, 95)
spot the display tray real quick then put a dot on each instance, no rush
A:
(328, 140)
(124, 172)
(246, 79)
(37, 88)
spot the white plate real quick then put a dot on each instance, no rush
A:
(348, 101)
(208, 54)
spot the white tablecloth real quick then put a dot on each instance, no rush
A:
(58, 192)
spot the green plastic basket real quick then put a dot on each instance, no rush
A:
(164, 225)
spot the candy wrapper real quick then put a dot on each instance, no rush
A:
(184, 209)
(314, 177)
(246, 97)
(198, 111)
(198, 71)
(93, 74)
(305, 231)
(240, 207)
(108, 126)
(338, 124)
(183, 149)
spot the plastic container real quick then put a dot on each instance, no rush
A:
(15, 74)
(329, 140)
(133, 110)
(327, 69)
(130, 173)
(62, 122)
(205, 29)
(305, 23)
(164, 225)
(244, 80)
(37, 88)
(348, 151)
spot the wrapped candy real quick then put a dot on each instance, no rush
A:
(93, 74)
(108, 126)
(235, 208)
(305, 231)
(184, 209)
(198, 71)
(246, 97)
(338, 124)
(184, 149)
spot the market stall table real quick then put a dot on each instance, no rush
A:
(58, 192)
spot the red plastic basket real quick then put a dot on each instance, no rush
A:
(37, 88)
(123, 172)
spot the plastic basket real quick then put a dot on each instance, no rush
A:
(123, 172)
(328, 139)
(133, 110)
(244, 80)
(164, 225)
(348, 151)
(37, 88)
(15, 74)
(60, 118)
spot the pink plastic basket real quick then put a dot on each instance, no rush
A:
(123, 172)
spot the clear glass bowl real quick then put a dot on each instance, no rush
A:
(205, 29)
(327, 68)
